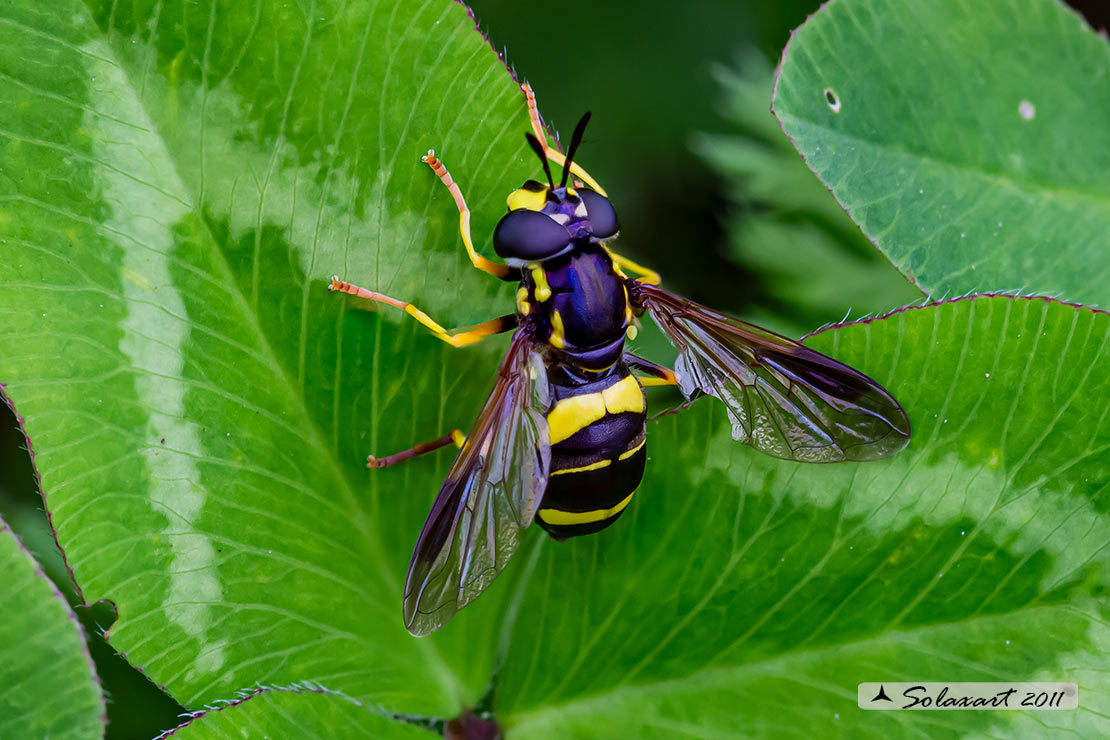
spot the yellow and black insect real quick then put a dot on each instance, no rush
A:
(560, 440)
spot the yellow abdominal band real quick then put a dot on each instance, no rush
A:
(564, 518)
(577, 412)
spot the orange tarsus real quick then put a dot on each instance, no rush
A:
(344, 287)
(483, 264)
(434, 162)
(534, 113)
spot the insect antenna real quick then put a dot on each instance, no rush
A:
(575, 140)
(538, 148)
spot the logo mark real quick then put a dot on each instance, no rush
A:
(882, 695)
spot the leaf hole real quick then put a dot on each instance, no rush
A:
(832, 99)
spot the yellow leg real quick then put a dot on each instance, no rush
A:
(453, 337)
(643, 274)
(493, 268)
(554, 154)
(652, 374)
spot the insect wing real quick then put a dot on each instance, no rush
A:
(782, 397)
(491, 493)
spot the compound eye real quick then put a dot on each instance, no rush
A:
(600, 212)
(529, 236)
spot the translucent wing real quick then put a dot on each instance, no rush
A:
(490, 495)
(782, 398)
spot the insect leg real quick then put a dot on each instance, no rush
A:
(657, 374)
(452, 437)
(454, 337)
(554, 154)
(493, 268)
(643, 274)
(534, 114)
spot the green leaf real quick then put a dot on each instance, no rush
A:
(968, 140)
(813, 263)
(178, 180)
(742, 591)
(49, 683)
(302, 713)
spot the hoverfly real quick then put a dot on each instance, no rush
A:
(560, 440)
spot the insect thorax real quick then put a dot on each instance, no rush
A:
(579, 306)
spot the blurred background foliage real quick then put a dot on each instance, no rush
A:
(709, 191)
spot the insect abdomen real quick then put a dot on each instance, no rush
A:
(597, 454)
